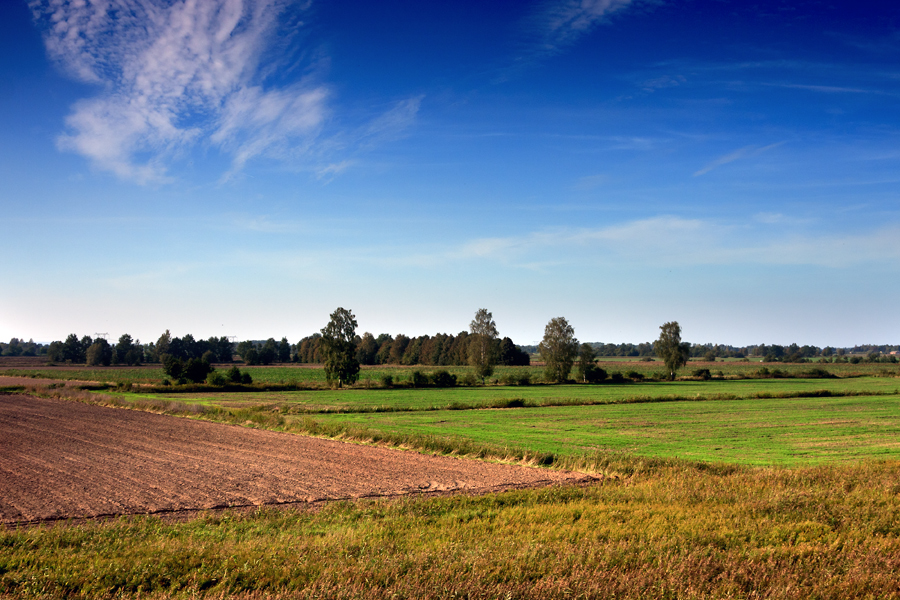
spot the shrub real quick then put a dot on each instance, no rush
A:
(468, 379)
(616, 378)
(387, 381)
(594, 374)
(246, 379)
(634, 375)
(443, 378)
(234, 375)
(703, 374)
(418, 379)
(216, 378)
(197, 370)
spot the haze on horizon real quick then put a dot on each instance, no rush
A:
(244, 167)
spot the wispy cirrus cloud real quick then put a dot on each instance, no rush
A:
(675, 241)
(745, 152)
(174, 75)
(558, 24)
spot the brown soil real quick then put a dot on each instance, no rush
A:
(64, 460)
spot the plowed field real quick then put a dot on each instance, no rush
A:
(61, 460)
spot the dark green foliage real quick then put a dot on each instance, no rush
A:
(366, 349)
(248, 353)
(246, 378)
(443, 379)
(511, 355)
(268, 354)
(172, 366)
(196, 369)
(234, 375)
(585, 364)
(99, 353)
(558, 350)
(671, 349)
(387, 381)
(127, 352)
(483, 344)
(703, 374)
(418, 380)
(339, 348)
(594, 374)
(284, 351)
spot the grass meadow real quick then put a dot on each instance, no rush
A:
(728, 488)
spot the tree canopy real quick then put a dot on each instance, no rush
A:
(338, 344)
(670, 348)
(483, 345)
(558, 349)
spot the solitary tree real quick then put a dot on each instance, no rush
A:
(670, 348)
(338, 346)
(483, 344)
(558, 349)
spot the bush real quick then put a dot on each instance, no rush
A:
(234, 375)
(634, 375)
(468, 379)
(216, 378)
(387, 381)
(443, 378)
(595, 374)
(246, 379)
(197, 370)
(703, 374)
(418, 379)
(617, 378)
(209, 356)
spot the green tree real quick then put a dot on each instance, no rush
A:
(339, 348)
(99, 353)
(671, 349)
(284, 351)
(558, 349)
(483, 345)
(585, 370)
(269, 352)
(366, 349)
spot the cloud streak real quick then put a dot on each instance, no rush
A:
(674, 241)
(173, 75)
(745, 152)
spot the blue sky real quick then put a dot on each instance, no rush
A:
(243, 167)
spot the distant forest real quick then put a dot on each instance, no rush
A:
(439, 350)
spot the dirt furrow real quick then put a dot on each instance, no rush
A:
(64, 459)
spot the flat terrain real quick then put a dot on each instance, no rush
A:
(64, 459)
(748, 431)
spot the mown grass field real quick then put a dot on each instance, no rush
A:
(756, 488)
(405, 399)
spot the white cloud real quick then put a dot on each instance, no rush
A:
(559, 24)
(173, 75)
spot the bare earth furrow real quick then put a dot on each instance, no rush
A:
(64, 459)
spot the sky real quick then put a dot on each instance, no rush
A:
(244, 167)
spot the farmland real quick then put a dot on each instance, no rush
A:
(763, 487)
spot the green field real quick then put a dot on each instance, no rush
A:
(796, 431)
(768, 488)
(405, 399)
